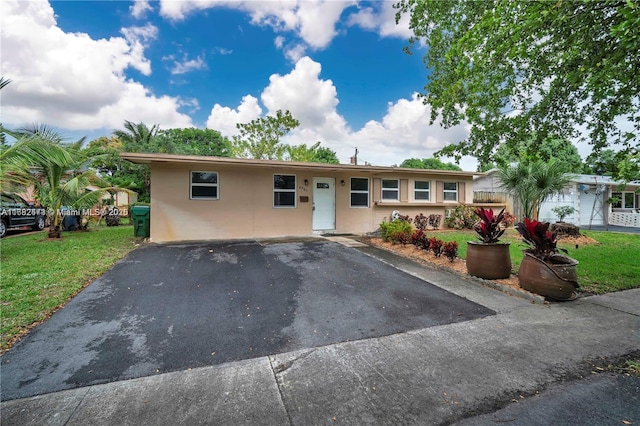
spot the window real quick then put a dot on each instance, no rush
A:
(626, 200)
(390, 189)
(450, 191)
(359, 192)
(421, 190)
(284, 191)
(204, 186)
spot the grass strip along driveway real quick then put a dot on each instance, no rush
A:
(41, 275)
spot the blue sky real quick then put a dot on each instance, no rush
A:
(338, 66)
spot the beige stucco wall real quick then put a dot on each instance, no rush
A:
(244, 208)
(245, 205)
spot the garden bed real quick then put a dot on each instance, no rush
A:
(510, 285)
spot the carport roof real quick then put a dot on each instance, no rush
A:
(143, 158)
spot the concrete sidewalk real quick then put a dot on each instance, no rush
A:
(436, 375)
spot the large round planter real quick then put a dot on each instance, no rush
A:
(488, 261)
(556, 278)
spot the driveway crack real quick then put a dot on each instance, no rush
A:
(73, 413)
(272, 360)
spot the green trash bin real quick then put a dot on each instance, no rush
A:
(141, 216)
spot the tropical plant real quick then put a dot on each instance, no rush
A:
(419, 239)
(450, 250)
(508, 220)
(136, 136)
(542, 242)
(421, 222)
(563, 211)
(388, 229)
(434, 220)
(489, 227)
(56, 172)
(436, 246)
(461, 217)
(533, 183)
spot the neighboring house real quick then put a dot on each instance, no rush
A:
(120, 198)
(589, 195)
(196, 198)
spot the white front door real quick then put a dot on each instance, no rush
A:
(324, 204)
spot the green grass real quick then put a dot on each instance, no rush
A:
(40, 275)
(611, 265)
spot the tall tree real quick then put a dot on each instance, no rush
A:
(58, 174)
(428, 163)
(620, 165)
(137, 137)
(192, 141)
(520, 69)
(313, 154)
(260, 138)
(533, 183)
(530, 150)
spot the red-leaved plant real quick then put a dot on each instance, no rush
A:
(489, 227)
(542, 242)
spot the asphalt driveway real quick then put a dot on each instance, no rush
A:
(174, 307)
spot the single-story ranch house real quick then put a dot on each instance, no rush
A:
(200, 198)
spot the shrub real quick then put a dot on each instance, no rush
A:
(434, 220)
(420, 222)
(419, 239)
(405, 218)
(387, 229)
(401, 237)
(450, 250)
(461, 217)
(436, 246)
(563, 211)
(508, 219)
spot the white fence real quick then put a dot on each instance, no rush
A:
(624, 219)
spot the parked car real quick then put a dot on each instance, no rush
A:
(15, 212)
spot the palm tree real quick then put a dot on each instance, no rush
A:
(533, 183)
(136, 136)
(58, 174)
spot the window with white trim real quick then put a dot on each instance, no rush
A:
(390, 189)
(626, 200)
(203, 186)
(422, 190)
(284, 190)
(359, 192)
(450, 191)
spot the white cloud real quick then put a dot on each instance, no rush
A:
(402, 133)
(72, 81)
(224, 119)
(381, 18)
(188, 65)
(310, 99)
(312, 20)
(139, 8)
(278, 42)
(295, 52)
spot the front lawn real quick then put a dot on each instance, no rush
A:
(610, 265)
(40, 275)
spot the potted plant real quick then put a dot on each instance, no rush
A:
(488, 258)
(563, 211)
(544, 270)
